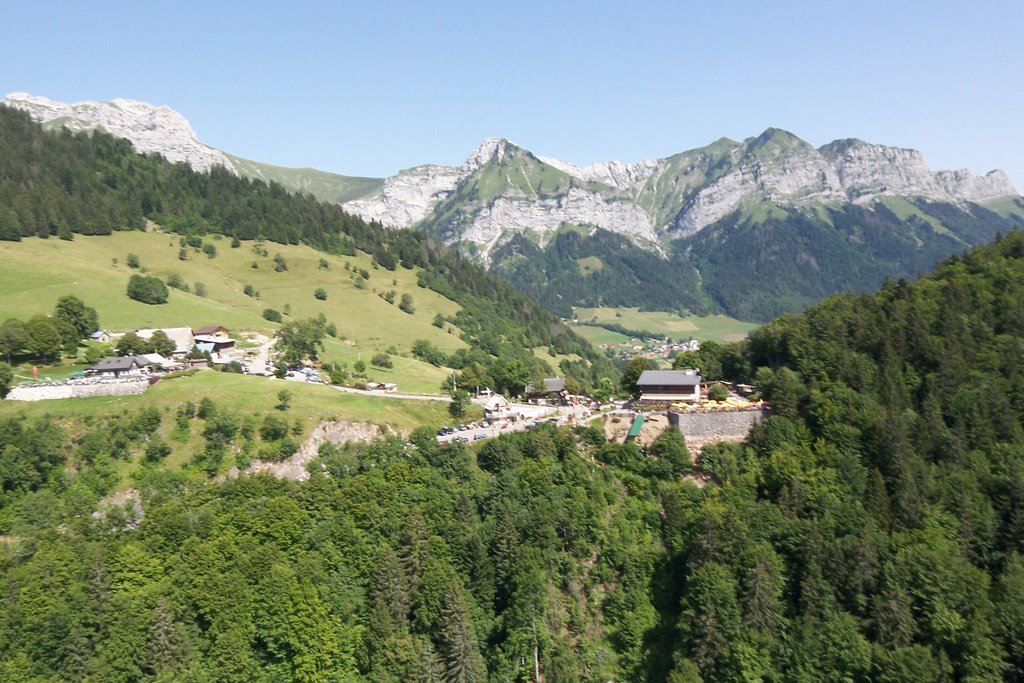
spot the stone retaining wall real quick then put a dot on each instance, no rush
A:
(46, 392)
(701, 428)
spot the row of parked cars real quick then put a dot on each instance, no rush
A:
(445, 431)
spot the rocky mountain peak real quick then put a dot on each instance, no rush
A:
(150, 128)
(489, 148)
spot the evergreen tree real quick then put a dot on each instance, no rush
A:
(463, 662)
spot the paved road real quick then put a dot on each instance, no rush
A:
(537, 414)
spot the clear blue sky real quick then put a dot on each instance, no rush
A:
(369, 88)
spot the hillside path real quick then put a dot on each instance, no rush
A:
(384, 394)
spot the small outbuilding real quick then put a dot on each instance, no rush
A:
(551, 391)
(499, 408)
(214, 330)
(215, 342)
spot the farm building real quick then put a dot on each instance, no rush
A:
(665, 386)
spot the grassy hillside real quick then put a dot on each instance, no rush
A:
(241, 394)
(37, 272)
(328, 187)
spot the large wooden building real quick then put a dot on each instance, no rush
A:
(669, 386)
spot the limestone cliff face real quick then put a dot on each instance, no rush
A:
(149, 128)
(408, 197)
(496, 222)
(502, 189)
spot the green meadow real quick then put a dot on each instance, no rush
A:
(245, 396)
(37, 272)
(713, 327)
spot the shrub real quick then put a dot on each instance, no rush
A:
(279, 263)
(406, 304)
(272, 315)
(209, 250)
(320, 294)
(718, 392)
(273, 428)
(249, 290)
(199, 288)
(132, 261)
(381, 360)
(147, 289)
(157, 449)
(176, 282)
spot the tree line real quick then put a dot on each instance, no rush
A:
(59, 184)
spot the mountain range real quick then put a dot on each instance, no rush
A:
(753, 228)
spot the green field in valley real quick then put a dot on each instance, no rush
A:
(712, 327)
(599, 335)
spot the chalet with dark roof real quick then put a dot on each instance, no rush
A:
(669, 386)
(120, 367)
(552, 390)
(214, 330)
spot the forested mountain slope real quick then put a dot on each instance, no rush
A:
(56, 183)
(870, 530)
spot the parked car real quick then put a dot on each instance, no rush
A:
(477, 437)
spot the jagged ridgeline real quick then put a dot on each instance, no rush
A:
(753, 229)
(58, 183)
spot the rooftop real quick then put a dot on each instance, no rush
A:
(118, 364)
(668, 378)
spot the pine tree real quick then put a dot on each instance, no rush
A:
(463, 662)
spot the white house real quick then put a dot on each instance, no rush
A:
(499, 408)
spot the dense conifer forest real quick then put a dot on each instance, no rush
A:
(59, 184)
(870, 530)
(749, 268)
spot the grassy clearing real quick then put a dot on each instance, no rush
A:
(714, 327)
(326, 186)
(589, 264)
(599, 335)
(37, 272)
(544, 354)
(246, 396)
(905, 210)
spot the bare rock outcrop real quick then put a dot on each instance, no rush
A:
(150, 129)
(295, 467)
